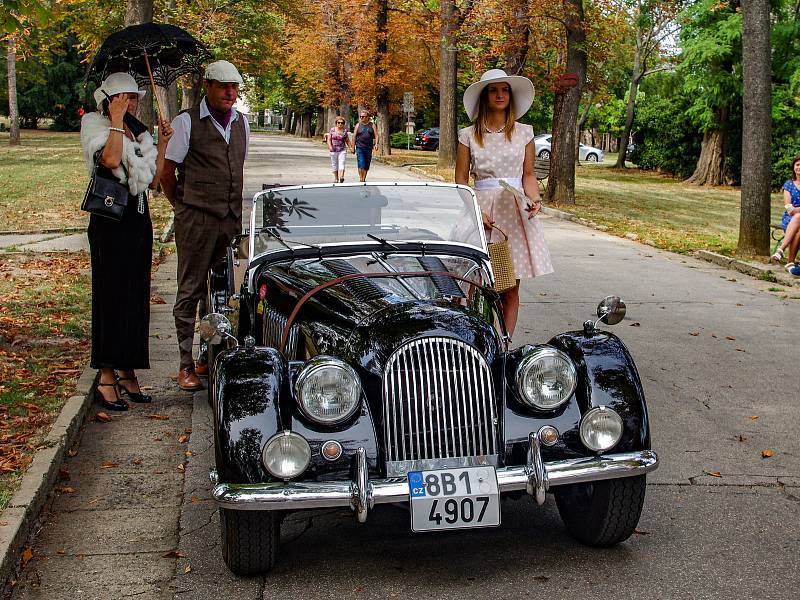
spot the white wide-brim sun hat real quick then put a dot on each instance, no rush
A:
(117, 83)
(521, 90)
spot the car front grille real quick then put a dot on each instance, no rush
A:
(274, 322)
(438, 403)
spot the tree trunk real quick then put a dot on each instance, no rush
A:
(13, 109)
(561, 182)
(320, 128)
(756, 129)
(711, 164)
(636, 77)
(169, 95)
(518, 37)
(141, 11)
(448, 63)
(192, 91)
(382, 91)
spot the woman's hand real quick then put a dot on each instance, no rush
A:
(164, 131)
(534, 208)
(117, 109)
(487, 221)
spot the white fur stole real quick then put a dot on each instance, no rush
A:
(141, 167)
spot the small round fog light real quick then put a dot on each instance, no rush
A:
(548, 435)
(286, 455)
(601, 429)
(331, 450)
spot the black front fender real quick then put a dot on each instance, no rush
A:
(607, 376)
(247, 392)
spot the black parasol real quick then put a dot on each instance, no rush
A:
(153, 53)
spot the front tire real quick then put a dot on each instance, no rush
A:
(544, 155)
(250, 540)
(602, 513)
(592, 158)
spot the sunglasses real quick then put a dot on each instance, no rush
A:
(340, 122)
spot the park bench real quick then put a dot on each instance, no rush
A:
(542, 168)
(777, 235)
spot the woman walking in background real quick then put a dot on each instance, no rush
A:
(497, 148)
(338, 143)
(121, 250)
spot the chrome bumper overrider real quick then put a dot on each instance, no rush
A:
(361, 494)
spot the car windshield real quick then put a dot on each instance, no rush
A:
(380, 213)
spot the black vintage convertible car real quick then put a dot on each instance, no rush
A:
(359, 358)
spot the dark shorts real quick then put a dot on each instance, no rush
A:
(364, 158)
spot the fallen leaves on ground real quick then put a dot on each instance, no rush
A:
(694, 333)
(187, 569)
(753, 417)
(182, 439)
(102, 417)
(109, 465)
(767, 453)
(712, 473)
(173, 554)
(158, 417)
(27, 555)
(638, 531)
(65, 489)
(156, 299)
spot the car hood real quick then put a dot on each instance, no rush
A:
(363, 321)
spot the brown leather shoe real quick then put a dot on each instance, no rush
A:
(187, 380)
(201, 369)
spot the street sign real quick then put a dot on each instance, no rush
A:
(408, 102)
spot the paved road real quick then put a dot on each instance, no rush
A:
(714, 349)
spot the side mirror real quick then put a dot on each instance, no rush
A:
(214, 328)
(611, 310)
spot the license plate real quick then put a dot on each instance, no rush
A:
(454, 498)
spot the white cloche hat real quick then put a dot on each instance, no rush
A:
(223, 71)
(521, 90)
(117, 83)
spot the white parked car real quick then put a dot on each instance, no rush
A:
(587, 153)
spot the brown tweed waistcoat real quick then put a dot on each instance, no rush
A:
(211, 176)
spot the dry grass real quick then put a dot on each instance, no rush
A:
(42, 182)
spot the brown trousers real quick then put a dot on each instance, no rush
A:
(201, 240)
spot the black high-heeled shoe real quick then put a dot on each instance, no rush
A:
(118, 404)
(133, 396)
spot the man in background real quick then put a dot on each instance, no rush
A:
(366, 140)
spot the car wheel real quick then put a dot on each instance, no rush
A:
(602, 513)
(591, 157)
(250, 540)
(544, 155)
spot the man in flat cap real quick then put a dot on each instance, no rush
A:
(203, 179)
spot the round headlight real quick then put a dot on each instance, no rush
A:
(286, 454)
(601, 429)
(546, 378)
(328, 390)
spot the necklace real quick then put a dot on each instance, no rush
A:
(494, 130)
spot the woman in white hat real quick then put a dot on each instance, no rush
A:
(121, 250)
(498, 149)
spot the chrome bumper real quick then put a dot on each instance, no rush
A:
(361, 494)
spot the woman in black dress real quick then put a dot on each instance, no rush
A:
(122, 250)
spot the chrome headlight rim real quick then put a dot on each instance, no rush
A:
(313, 366)
(587, 419)
(525, 364)
(301, 442)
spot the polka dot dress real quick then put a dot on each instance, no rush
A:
(500, 158)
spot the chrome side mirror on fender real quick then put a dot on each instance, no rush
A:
(215, 327)
(610, 310)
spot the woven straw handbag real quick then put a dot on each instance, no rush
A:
(500, 256)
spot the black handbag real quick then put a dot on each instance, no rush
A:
(105, 197)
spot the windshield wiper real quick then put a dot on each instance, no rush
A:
(279, 239)
(382, 241)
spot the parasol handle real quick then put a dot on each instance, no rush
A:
(153, 85)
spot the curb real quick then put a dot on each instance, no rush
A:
(45, 231)
(20, 516)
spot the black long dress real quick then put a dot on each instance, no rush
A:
(121, 263)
